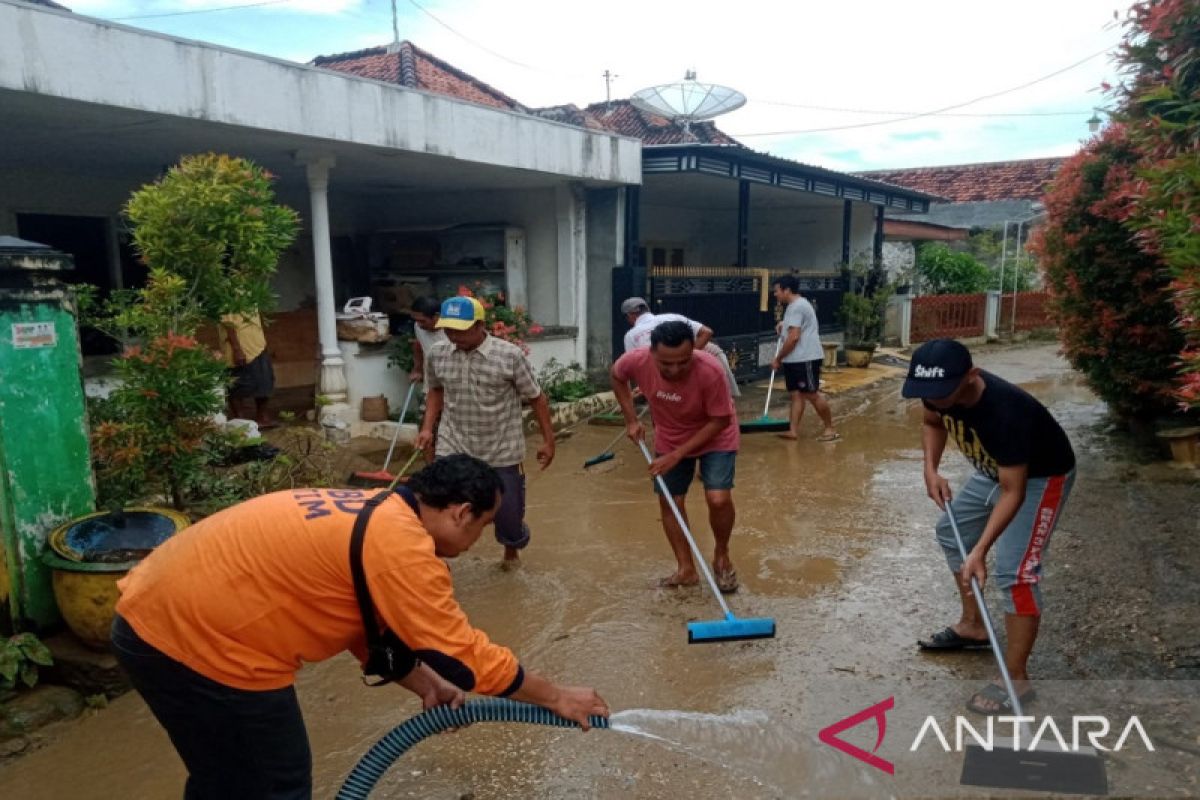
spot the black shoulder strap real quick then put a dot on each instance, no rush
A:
(388, 656)
(365, 607)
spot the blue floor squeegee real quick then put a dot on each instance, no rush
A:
(731, 628)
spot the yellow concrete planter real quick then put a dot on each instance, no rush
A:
(87, 561)
(1185, 444)
(859, 358)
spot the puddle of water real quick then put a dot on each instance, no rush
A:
(834, 542)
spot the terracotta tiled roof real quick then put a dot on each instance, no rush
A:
(570, 114)
(409, 65)
(964, 183)
(620, 117)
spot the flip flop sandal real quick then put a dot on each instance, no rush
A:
(668, 583)
(998, 695)
(949, 639)
(727, 582)
(829, 437)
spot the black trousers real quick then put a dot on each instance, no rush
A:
(236, 744)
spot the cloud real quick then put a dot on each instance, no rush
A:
(109, 9)
(875, 55)
(916, 136)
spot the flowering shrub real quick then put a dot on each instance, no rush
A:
(1159, 103)
(1112, 300)
(211, 234)
(148, 437)
(511, 324)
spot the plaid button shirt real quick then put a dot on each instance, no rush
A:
(483, 390)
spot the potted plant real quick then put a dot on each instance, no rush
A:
(863, 309)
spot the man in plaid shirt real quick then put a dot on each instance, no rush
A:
(476, 383)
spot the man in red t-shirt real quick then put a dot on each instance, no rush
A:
(695, 423)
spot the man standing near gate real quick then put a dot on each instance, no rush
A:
(642, 322)
(800, 356)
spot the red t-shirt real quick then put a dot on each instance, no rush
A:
(680, 408)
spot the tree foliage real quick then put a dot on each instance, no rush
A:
(1111, 299)
(213, 221)
(944, 270)
(211, 234)
(1159, 104)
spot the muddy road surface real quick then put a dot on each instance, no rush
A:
(832, 540)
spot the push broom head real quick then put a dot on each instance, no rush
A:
(600, 459)
(1045, 768)
(763, 425)
(730, 630)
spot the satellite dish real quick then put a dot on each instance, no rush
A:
(688, 101)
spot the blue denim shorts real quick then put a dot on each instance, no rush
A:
(716, 472)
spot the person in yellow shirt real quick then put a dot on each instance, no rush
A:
(245, 346)
(213, 625)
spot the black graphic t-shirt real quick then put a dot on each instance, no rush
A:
(1007, 428)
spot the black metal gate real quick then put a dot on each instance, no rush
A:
(737, 303)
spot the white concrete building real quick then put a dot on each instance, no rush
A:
(91, 110)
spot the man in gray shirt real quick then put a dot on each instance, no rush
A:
(800, 357)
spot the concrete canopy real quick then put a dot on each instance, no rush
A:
(78, 93)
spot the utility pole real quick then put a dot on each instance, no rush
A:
(609, 77)
(395, 45)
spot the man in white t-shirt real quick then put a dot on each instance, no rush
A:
(800, 357)
(425, 312)
(642, 323)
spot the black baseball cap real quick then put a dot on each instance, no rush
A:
(936, 369)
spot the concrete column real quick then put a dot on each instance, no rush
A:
(898, 322)
(991, 315)
(877, 249)
(516, 270)
(332, 382)
(743, 224)
(847, 221)
(571, 211)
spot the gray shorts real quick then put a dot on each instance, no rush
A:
(1022, 545)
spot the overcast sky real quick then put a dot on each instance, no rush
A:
(856, 61)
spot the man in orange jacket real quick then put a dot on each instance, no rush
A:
(214, 624)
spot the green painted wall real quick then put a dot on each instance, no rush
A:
(45, 466)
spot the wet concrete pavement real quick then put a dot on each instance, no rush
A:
(832, 540)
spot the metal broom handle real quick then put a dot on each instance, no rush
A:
(618, 437)
(687, 534)
(771, 382)
(987, 619)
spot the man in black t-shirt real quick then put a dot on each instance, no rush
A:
(1024, 469)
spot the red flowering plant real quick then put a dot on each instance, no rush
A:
(1112, 300)
(511, 323)
(1159, 103)
(148, 437)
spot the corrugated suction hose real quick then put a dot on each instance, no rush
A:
(395, 743)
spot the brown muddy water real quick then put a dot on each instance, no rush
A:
(832, 540)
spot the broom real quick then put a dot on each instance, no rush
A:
(607, 454)
(766, 424)
(375, 478)
(1045, 768)
(719, 630)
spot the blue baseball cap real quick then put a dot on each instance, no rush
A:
(461, 313)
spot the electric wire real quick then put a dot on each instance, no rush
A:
(197, 11)
(936, 111)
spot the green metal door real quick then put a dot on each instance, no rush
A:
(45, 468)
